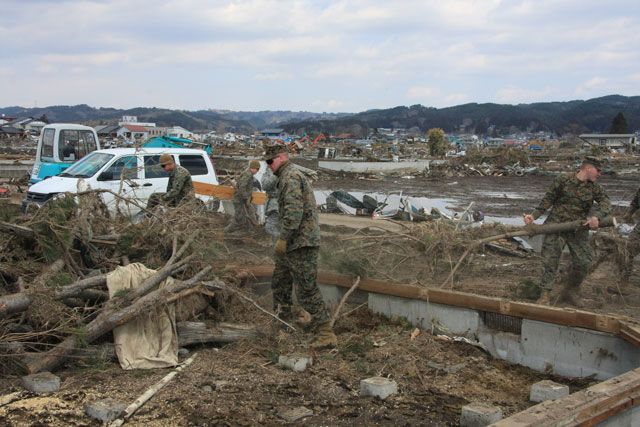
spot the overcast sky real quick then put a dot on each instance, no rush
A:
(321, 55)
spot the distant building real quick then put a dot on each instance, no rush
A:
(620, 142)
(276, 133)
(133, 132)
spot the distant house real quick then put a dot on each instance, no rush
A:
(133, 132)
(179, 132)
(107, 131)
(276, 133)
(620, 142)
(157, 131)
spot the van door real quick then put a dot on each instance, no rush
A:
(121, 177)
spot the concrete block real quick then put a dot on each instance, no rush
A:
(479, 415)
(295, 414)
(378, 386)
(296, 362)
(42, 382)
(547, 390)
(105, 410)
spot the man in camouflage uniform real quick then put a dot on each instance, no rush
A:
(272, 222)
(296, 251)
(179, 187)
(633, 242)
(570, 198)
(244, 211)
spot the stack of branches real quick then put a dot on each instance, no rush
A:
(54, 264)
(423, 251)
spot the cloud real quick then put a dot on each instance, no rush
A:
(274, 76)
(514, 95)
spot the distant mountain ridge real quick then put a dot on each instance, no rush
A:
(593, 115)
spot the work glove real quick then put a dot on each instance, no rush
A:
(281, 247)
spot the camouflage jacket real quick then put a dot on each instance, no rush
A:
(571, 199)
(244, 186)
(298, 211)
(179, 187)
(270, 186)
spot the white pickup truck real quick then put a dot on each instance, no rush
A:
(141, 176)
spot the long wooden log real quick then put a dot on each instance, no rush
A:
(190, 333)
(529, 230)
(20, 301)
(18, 230)
(106, 321)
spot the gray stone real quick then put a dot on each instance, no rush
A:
(296, 362)
(295, 414)
(547, 390)
(207, 388)
(105, 410)
(182, 351)
(479, 415)
(42, 382)
(378, 386)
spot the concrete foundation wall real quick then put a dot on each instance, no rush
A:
(363, 167)
(567, 351)
(628, 418)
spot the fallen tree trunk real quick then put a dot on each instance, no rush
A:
(190, 333)
(20, 301)
(530, 230)
(18, 230)
(108, 319)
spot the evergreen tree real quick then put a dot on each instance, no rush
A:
(437, 144)
(619, 124)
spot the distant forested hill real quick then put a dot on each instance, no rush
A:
(221, 120)
(594, 115)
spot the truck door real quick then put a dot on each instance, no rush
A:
(121, 177)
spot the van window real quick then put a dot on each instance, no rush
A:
(194, 163)
(74, 144)
(130, 166)
(152, 169)
(47, 144)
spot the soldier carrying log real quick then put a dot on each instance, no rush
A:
(571, 197)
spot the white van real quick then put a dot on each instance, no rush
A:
(141, 176)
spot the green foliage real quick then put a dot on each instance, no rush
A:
(59, 280)
(81, 333)
(52, 228)
(619, 124)
(274, 355)
(347, 258)
(596, 151)
(401, 322)
(437, 142)
(357, 346)
(363, 368)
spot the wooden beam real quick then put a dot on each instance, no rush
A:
(560, 316)
(584, 408)
(224, 192)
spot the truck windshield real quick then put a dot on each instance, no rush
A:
(88, 166)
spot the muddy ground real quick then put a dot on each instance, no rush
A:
(241, 383)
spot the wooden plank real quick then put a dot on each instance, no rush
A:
(560, 316)
(630, 333)
(584, 408)
(224, 192)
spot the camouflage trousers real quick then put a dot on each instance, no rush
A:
(244, 216)
(581, 257)
(299, 267)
